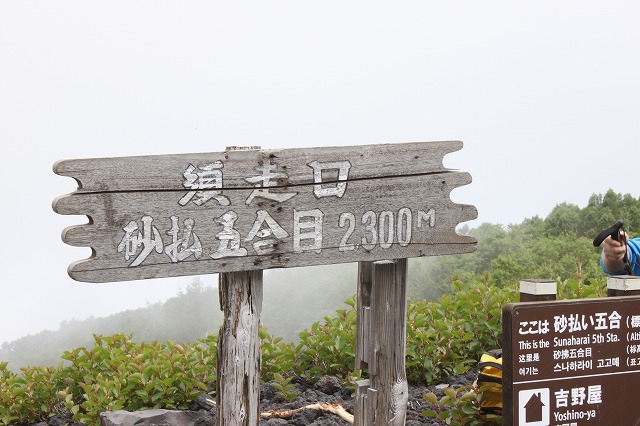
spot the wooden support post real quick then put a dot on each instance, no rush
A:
(238, 384)
(623, 285)
(538, 290)
(362, 407)
(383, 400)
(363, 327)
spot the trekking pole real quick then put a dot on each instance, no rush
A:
(614, 232)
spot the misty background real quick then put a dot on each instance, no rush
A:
(545, 95)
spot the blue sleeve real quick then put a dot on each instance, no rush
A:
(634, 257)
(608, 272)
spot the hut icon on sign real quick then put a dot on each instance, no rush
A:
(533, 407)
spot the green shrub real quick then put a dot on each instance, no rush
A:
(120, 374)
(445, 338)
(285, 388)
(278, 356)
(580, 288)
(459, 407)
(329, 348)
(115, 374)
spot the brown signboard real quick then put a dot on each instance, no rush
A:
(572, 363)
(249, 209)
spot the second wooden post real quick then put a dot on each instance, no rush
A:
(383, 398)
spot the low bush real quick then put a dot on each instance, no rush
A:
(444, 338)
(115, 374)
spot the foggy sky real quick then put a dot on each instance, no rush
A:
(544, 95)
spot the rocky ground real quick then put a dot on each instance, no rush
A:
(331, 390)
(327, 390)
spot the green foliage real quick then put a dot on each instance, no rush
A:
(603, 210)
(125, 375)
(515, 252)
(578, 288)
(27, 398)
(285, 388)
(329, 348)
(440, 344)
(459, 407)
(115, 374)
(278, 356)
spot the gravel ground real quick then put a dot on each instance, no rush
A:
(331, 390)
(327, 390)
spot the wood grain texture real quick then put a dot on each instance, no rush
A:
(164, 172)
(380, 343)
(388, 342)
(196, 214)
(363, 309)
(238, 373)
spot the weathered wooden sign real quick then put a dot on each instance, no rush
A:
(250, 209)
(572, 362)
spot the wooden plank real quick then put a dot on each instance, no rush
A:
(143, 235)
(140, 233)
(233, 167)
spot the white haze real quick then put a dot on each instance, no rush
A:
(544, 94)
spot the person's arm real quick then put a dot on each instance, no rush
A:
(613, 252)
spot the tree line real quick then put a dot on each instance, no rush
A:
(558, 247)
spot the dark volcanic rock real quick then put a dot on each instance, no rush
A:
(329, 385)
(202, 411)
